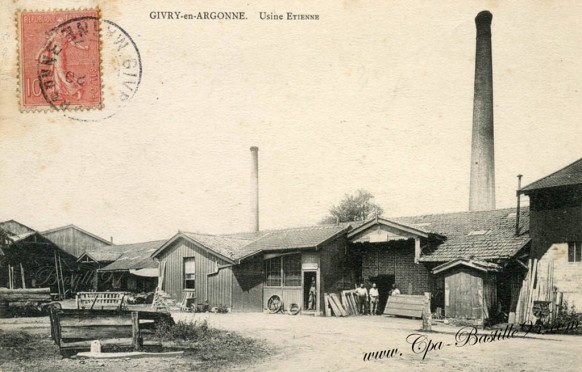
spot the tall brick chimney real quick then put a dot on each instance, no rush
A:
(254, 189)
(482, 189)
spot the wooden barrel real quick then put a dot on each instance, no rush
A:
(3, 308)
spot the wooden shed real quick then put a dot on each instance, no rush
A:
(200, 267)
(470, 289)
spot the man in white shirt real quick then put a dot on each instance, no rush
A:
(374, 296)
(362, 293)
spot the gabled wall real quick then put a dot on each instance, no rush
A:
(396, 258)
(216, 289)
(74, 241)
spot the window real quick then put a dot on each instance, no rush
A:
(189, 273)
(292, 270)
(273, 272)
(575, 252)
(283, 271)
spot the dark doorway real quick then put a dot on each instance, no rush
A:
(309, 278)
(384, 285)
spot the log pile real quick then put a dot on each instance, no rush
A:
(538, 285)
(25, 295)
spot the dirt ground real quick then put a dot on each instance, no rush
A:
(333, 344)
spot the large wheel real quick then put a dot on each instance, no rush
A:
(274, 304)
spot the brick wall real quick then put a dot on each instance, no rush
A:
(396, 258)
(567, 275)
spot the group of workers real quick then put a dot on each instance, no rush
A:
(371, 298)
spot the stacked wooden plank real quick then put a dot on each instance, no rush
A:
(405, 305)
(538, 285)
(350, 303)
(334, 305)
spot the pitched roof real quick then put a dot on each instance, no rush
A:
(104, 254)
(226, 246)
(567, 176)
(473, 235)
(135, 256)
(15, 228)
(295, 238)
(475, 264)
(71, 226)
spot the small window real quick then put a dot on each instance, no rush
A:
(273, 272)
(575, 252)
(189, 273)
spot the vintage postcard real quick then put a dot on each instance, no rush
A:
(320, 186)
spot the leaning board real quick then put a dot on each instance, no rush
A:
(405, 305)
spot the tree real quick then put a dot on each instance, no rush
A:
(357, 207)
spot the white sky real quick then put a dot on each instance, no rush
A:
(376, 95)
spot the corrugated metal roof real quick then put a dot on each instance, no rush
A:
(499, 241)
(567, 176)
(135, 256)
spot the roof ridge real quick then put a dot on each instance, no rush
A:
(149, 241)
(458, 212)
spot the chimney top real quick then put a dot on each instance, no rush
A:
(254, 148)
(483, 22)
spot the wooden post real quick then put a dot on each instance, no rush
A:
(426, 314)
(135, 331)
(10, 276)
(22, 276)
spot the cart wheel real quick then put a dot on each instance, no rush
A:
(294, 309)
(274, 304)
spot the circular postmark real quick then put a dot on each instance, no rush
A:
(82, 86)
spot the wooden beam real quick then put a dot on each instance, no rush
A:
(416, 250)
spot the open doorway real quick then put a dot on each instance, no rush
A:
(310, 295)
(384, 285)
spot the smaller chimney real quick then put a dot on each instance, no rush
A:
(111, 240)
(255, 188)
(517, 213)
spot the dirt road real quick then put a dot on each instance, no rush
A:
(333, 344)
(339, 344)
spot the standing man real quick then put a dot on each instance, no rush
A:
(311, 299)
(362, 293)
(374, 296)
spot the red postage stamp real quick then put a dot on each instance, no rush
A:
(59, 60)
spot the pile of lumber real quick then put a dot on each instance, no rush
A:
(538, 285)
(340, 304)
